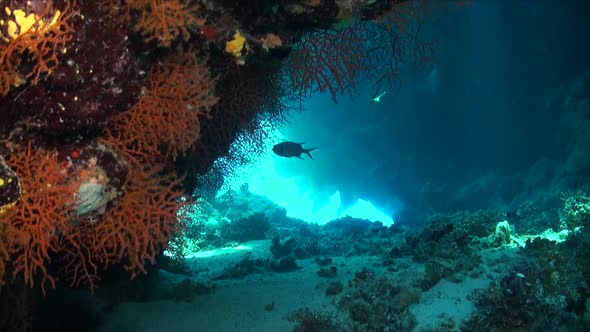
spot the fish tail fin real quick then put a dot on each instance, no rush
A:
(307, 152)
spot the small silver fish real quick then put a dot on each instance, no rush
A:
(291, 149)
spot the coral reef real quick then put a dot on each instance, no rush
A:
(547, 291)
(451, 236)
(378, 304)
(230, 220)
(164, 21)
(110, 111)
(33, 225)
(83, 83)
(37, 33)
(314, 321)
(164, 122)
(576, 209)
(397, 279)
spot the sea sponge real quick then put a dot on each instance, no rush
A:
(26, 23)
(236, 45)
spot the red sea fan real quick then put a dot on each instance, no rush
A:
(32, 226)
(164, 123)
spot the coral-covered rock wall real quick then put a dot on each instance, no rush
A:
(109, 108)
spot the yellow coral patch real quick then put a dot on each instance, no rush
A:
(236, 45)
(24, 23)
(5, 208)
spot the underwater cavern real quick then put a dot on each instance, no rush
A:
(294, 165)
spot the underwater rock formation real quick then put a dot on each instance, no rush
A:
(108, 109)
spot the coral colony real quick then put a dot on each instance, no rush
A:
(108, 109)
(113, 114)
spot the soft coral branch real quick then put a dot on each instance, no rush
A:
(164, 123)
(33, 226)
(132, 233)
(164, 21)
(41, 44)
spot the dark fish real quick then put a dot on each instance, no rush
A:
(291, 149)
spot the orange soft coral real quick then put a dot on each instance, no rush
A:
(139, 227)
(165, 20)
(41, 37)
(33, 225)
(164, 123)
(132, 233)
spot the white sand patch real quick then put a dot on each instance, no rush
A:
(449, 301)
(444, 301)
(239, 304)
(209, 264)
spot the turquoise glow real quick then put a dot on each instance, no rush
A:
(265, 181)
